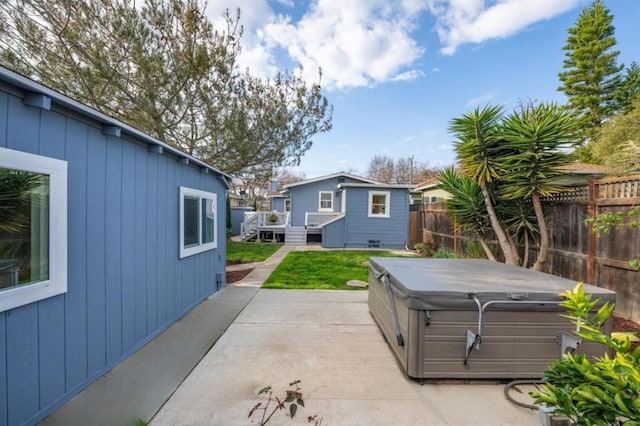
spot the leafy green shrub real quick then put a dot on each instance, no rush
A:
(605, 222)
(605, 391)
(444, 254)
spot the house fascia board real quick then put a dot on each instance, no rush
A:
(331, 176)
(58, 98)
(376, 186)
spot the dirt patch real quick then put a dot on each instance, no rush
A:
(624, 325)
(234, 276)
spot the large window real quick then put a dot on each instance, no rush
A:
(379, 203)
(198, 225)
(326, 201)
(33, 228)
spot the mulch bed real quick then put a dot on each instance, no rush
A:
(624, 325)
(234, 276)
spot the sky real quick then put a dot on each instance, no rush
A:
(397, 71)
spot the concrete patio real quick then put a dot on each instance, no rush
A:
(329, 341)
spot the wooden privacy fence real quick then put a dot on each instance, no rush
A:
(575, 252)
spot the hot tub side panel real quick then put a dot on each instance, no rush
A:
(515, 344)
(381, 312)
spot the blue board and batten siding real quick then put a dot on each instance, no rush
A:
(277, 204)
(126, 282)
(333, 234)
(237, 217)
(306, 198)
(360, 229)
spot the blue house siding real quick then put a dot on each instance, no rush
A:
(277, 204)
(392, 232)
(237, 217)
(126, 282)
(305, 198)
(333, 234)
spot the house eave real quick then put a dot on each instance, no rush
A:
(375, 186)
(331, 176)
(107, 122)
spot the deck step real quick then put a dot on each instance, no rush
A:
(295, 235)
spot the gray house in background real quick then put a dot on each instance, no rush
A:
(118, 237)
(339, 210)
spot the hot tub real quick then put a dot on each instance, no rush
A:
(472, 318)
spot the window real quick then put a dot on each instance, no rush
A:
(287, 204)
(379, 203)
(326, 201)
(198, 225)
(33, 228)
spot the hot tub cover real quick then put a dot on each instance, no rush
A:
(448, 283)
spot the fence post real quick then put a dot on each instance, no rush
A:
(591, 212)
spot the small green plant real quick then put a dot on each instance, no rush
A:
(605, 222)
(292, 399)
(604, 391)
(444, 254)
(273, 218)
(424, 249)
(473, 250)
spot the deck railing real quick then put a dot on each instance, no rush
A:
(273, 218)
(249, 227)
(317, 219)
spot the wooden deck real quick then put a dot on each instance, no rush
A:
(276, 226)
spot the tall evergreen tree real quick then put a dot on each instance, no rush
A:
(629, 88)
(591, 74)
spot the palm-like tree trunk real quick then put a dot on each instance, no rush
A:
(503, 240)
(544, 235)
(487, 250)
(525, 259)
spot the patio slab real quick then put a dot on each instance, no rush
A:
(328, 340)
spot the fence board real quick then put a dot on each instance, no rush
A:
(571, 240)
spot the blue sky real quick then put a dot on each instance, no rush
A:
(397, 71)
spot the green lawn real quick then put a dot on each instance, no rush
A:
(323, 270)
(241, 252)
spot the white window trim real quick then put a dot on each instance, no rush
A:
(57, 282)
(387, 203)
(196, 193)
(325, 209)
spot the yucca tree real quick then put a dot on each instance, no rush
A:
(536, 135)
(520, 222)
(479, 147)
(466, 206)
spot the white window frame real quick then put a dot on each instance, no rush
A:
(287, 204)
(325, 209)
(57, 281)
(387, 204)
(200, 247)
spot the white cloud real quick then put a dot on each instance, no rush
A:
(482, 99)
(256, 55)
(355, 42)
(408, 75)
(475, 21)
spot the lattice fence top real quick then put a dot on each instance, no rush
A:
(620, 187)
(576, 194)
